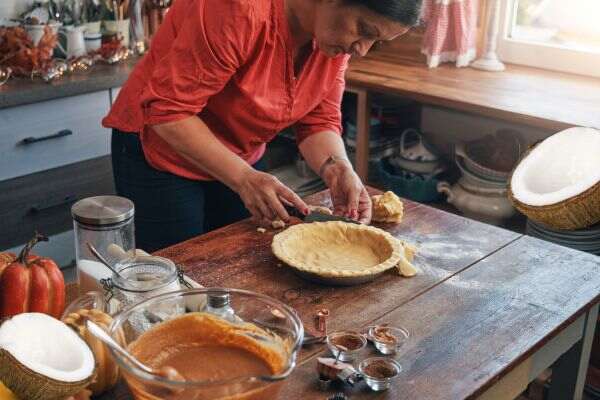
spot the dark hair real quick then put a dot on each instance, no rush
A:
(406, 12)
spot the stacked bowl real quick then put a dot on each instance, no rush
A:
(482, 191)
(587, 239)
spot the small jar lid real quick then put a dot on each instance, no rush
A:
(143, 274)
(102, 210)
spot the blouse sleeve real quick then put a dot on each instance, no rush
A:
(212, 43)
(327, 115)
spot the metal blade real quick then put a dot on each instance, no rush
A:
(319, 217)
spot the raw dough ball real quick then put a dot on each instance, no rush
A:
(320, 210)
(278, 224)
(409, 251)
(387, 207)
(405, 268)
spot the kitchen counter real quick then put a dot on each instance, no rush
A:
(19, 91)
(488, 312)
(528, 96)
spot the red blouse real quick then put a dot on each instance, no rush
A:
(231, 63)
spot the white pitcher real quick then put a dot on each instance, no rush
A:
(36, 32)
(75, 41)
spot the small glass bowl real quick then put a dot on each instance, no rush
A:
(379, 372)
(334, 339)
(388, 346)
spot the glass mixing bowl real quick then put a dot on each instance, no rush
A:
(274, 325)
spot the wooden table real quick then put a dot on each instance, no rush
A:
(525, 95)
(489, 310)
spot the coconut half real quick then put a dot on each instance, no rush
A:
(42, 358)
(558, 182)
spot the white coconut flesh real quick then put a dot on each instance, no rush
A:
(561, 167)
(47, 346)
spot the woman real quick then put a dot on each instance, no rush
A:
(221, 79)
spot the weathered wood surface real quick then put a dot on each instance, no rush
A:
(485, 298)
(473, 328)
(240, 257)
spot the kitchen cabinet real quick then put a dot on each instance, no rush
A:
(41, 136)
(52, 153)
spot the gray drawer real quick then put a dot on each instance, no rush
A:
(42, 201)
(50, 134)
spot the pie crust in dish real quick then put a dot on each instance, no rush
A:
(338, 249)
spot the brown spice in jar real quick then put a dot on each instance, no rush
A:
(349, 341)
(383, 334)
(380, 369)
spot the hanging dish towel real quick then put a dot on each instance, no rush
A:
(451, 31)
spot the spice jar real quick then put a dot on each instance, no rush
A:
(101, 221)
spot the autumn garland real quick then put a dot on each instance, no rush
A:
(22, 58)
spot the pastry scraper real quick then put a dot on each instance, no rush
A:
(315, 216)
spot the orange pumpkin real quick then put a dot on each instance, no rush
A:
(29, 283)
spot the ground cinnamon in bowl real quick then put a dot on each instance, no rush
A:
(379, 372)
(384, 334)
(349, 340)
(380, 369)
(346, 345)
(388, 339)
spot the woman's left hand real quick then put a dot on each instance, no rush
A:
(348, 194)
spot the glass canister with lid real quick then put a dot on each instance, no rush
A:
(105, 222)
(141, 277)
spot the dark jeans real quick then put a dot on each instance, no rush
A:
(168, 208)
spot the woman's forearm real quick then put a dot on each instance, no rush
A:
(261, 192)
(316, 149)
(193, 140)
(348, 194)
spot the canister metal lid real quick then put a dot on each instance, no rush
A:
(102, 210)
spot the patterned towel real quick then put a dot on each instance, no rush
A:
(451, 31)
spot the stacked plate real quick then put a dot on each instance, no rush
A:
(587, 240)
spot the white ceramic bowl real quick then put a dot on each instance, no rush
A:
(477, 180)
(477, 168)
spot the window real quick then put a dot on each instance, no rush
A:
(553, 34)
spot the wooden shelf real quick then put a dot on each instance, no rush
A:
(531, 96)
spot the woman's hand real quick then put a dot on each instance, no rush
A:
(264, 196)
(348, 194)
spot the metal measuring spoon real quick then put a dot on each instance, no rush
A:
(163, 372)
(103, 260)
